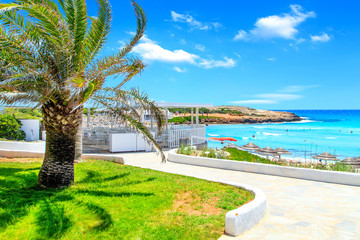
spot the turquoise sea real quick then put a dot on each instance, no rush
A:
(334, 131)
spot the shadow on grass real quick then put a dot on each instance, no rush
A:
(19, 192)
(105, 218)
(11, 171)
(114, 194)
(95, 177)
(51, 220)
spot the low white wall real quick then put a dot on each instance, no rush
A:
(20, 154)
(247, 216)
(293, 172)
(23, 146)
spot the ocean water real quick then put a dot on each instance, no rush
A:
(334, 131)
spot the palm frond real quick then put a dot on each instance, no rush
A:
(141, 25)
(4, 7)
(150, 105)
(11, 98)
(130, 116)
(76, 18)
(100, 28)
(106, 67)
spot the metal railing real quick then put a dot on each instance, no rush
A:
(175, 135)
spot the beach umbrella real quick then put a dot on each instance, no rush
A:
(282, 151)
(223, 139)
(214, 138)
(227, 139)
(355, 162)
(250, 146)
(267, 151)
(326, 156)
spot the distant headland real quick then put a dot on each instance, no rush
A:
(233, 115)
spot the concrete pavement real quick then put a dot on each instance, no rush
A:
(297, 209)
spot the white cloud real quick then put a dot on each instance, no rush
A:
(200, 47)
(320, 38)
(279, 96)
(238, 55)
(192, 22)
(297, 88)
(252, 102)
(226, 63)
(217, 25)
(277, 26)
(177, 69)
(149, 50)
(183, 42)
(152, 51)
(241, 35)
(274, 98)
(271, 59)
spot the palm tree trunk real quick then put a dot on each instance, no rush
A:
(61, 125)
(78, 141)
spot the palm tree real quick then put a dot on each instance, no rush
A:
(49, 56)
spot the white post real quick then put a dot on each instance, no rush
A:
(197, 117)
(192, 116)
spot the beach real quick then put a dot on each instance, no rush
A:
(333, 131)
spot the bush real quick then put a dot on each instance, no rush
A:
(92, 111)
(188, 119)
(185, 149)
(24, 113)
(10, 128)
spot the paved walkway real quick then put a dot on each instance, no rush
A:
(297, 209)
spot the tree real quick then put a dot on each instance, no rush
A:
(49, 56)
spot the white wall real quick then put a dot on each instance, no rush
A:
(22, 146)
(127, 142)
(31, 127)
(293, 172)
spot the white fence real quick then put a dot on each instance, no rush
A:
(176, 134)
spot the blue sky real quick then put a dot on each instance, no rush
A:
(262, 54)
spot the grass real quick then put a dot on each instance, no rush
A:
(239, 155)
(112, 201)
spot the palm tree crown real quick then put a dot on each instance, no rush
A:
(50, 56)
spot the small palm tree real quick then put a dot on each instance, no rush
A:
(49, 56)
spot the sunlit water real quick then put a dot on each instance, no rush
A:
(334, 131)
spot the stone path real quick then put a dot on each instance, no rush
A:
(296, 209)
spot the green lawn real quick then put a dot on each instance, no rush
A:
(239, 155)
(112, 201)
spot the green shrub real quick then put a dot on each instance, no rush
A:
(24, 113)
(176, 120)
(185, 150)
(10, 128)
(92, 111)
(188, 119)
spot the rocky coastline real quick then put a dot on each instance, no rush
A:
(244, 115)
